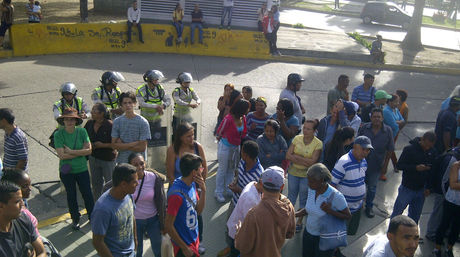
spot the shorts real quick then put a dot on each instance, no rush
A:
(3, 28)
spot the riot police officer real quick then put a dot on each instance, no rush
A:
(70, 99)
(152, 98)
(183, 97)
(108, 92)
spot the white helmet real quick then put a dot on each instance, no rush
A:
(152, 75)
(109, 77)
(68, 87)
(184, 77)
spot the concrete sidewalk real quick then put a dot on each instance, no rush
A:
(340, 49)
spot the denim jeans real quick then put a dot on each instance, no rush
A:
(179, 28)
(449, 220)
(310, 246)
(152, 227)
(139, 30)
(436, 215)
(82, 179)
(101, 173)
(415, 200)
(226, 10)
(297, 186)
(228, 157)
(193, 26)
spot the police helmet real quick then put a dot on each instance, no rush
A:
(68, 87)
(111, 76)
(184, 77)
(152, 75)
(293, 78)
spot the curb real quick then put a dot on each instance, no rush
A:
(392, 67)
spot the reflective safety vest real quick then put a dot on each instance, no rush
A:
(108, 99)
(187, 97)
(151, 97)
(75, 104)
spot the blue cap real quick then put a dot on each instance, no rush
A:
(273, 178)
(364, 142)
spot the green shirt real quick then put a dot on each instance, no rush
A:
(74, 141)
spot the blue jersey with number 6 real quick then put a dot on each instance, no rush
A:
(186, 223)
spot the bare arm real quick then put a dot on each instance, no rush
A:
(344, 214)
(100, 246)
(446, 139)
(21, 164)
(170, 164)
(136, 146)
(86, 150)
(453, 176)
(203, 163)
(64, 156)
(300, 213)
(169, 227)
(39, 248)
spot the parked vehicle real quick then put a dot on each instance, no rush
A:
(386, 13)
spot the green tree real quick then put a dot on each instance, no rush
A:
(413, 40)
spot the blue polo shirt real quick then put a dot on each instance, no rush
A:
(359, 93)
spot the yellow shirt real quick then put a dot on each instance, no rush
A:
(178, 14)
(305, 151)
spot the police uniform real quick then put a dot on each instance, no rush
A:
(109, 99)
(182, 98)
(79, 105)
(149, 99)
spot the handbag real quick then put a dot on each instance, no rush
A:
(167, 249)
(333, 233)
(66, 168)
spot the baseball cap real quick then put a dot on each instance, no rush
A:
(273, 178)
(351, 107)
(455, 100)
(364, 142)
(381, 94)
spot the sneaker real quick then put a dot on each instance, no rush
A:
(75, 225)
(201, 249)
(229, 28)
(338, 253)
(220, 27)
(383, 178)
(278, 53)
(298, 228)
(142, 41)
(449, 253)
(220, 198)
(370, 213)
(437, 253)
(224, 252)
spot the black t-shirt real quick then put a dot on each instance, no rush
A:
(22, 232)
(445, 122)
(197, 15)
(103, 135)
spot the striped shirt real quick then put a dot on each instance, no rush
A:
(245, 177)
(359, 93)
(15, 148)
(348, 176)
(259, 129)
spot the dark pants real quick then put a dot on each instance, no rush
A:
(84, 10)
(233, 251)
(260, 26)
(151, 226)
(450, 219)
(179, 28)
(415, 200)
(4, 27)
(353, 223)
(310, 246)
(139, 28)
(70, 181)
(271, 42)
(200, 227)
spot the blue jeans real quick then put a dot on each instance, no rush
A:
(415, 200)
(297, 186)
(70, 182)
(152, 227)
(179, 28)
(193, 26)
(226, 10)
(436, 216)
(228, 157)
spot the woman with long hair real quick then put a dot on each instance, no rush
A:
(72, 145)
(224, 104)
(338, 146)
(231, 132)
(289, 124)
(150, 201)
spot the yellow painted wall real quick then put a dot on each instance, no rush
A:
(37, 39)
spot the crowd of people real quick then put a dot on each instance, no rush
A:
(332, 166)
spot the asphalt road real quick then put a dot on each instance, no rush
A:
(30, 85)
(430, 36)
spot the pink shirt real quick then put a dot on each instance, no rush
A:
(145, 206)
(32, 218)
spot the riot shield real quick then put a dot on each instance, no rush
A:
(193, 116)
(157, 146)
